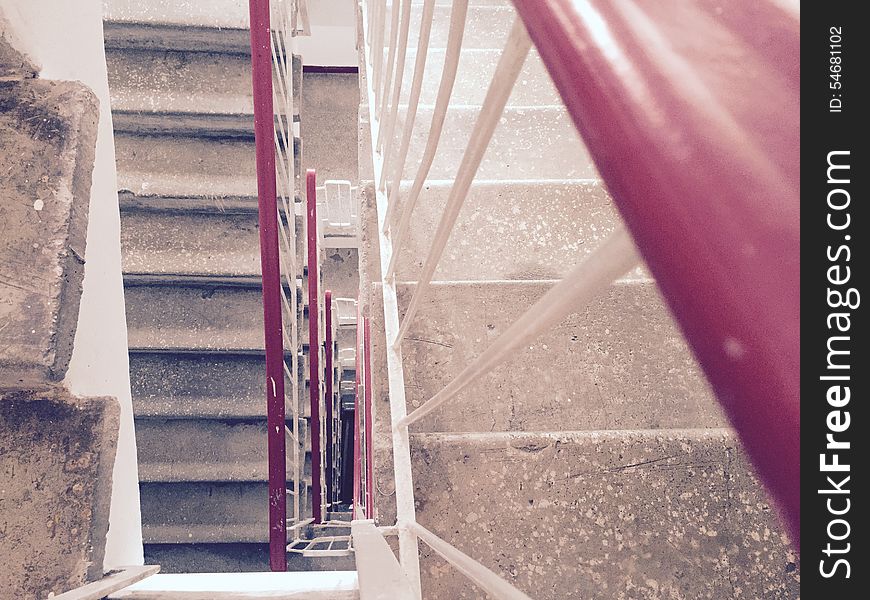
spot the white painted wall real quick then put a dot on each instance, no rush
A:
(66, 39)
(333, 34)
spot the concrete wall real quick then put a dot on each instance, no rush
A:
(65, 40)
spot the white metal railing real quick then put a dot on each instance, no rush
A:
(616, 256)
(285, 23)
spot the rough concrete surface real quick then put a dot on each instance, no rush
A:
(620, 364)
(328, 121)
(47, 138)
(624, 515)
(14, 62)
(56, 456)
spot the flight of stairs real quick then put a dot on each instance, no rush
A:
(183, 114)
(595, 462)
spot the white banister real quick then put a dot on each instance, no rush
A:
(384, 91)
(614, 258)
(506, 73)
(385, 134)
(411, 113)
(482, 577)
(442, 102)
(379, 574)
(404, 493)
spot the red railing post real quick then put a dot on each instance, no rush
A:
(329, 374)
(703, 163)
(264, 132)
(357, 457)
(367, 371)
(314, 342)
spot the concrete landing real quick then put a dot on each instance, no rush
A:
(671, 514)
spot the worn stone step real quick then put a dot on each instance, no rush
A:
(221, 26)
(620, 364)
(196, 243)
(178, 450)
(206, 385)
(185, 166)
(530, 142)
(161, 81)
(508, 229)
(194, 317)
(206, 512)
(487, 25)
(473, 76)
(234, 558)
(670, 514)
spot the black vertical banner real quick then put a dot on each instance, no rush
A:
(834, 338)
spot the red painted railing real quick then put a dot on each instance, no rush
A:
(367, 397)
(357, 456)
(314, 341)
(700, 153)
(264, 131)
(329, 376)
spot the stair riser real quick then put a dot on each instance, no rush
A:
(577, 512)
(512, 230)
(474, 74)
(186, 82)
(233, 558)
(183, 166)
(620, 365)
(208, 450)
(206, 512)
(485, 26)
(529, 143)
(173, 242)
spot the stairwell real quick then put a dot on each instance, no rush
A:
(180, 80)
(595, 462)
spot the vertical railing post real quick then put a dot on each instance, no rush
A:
(329, 374)
(264, 132)
(367, 395)
(314, 341)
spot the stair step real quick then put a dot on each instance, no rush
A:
(620, 365)
(160, 81)
(323, 585)
(206, 512)
(185, 166)
(219, 26)
(486, 25)
(205, 450)
(601, 514)
(158, 36)
(474, 74)
(209, 385)
(227, 14)
(233, 558)
(531, 142)
(194, 317)
(509, 229)
(216, 243)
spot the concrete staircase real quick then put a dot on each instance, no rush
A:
(595, 463)
(183, 114)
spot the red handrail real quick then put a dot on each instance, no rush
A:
(328, 374)
(691, 114)
(367, 374)
(314, 341)
(264, 132)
